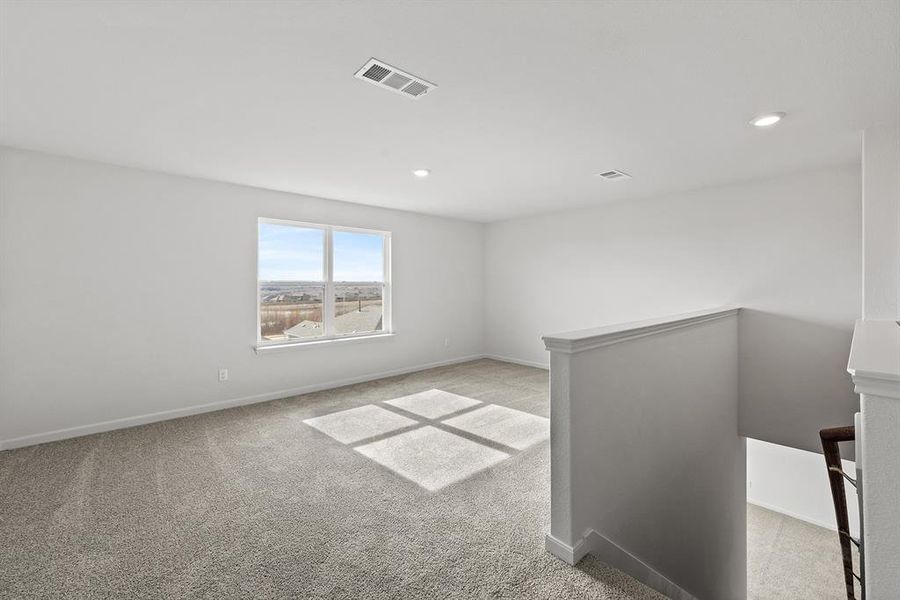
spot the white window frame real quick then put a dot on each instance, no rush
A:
(328, 300)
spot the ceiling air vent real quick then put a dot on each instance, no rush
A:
(391, 78)
(614, 175)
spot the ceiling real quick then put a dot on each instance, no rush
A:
(534, 98)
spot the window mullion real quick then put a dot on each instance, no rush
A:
(328, 305)
(386, 295)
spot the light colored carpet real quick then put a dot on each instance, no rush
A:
(254, 503)
(789, 559)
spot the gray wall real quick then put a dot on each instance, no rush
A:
(657, 465)
(122, 292)
(786, 249)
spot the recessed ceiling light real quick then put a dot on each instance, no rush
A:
(421, 172)
(766, 120)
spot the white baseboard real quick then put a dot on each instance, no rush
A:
(568, 554)
(621, 559)
(615, 556)
(81, 430)
(518, 361)
(795, 515)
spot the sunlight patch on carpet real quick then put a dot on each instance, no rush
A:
(503, 425)
(432, 404)
(432, 458)
(357, 424)
(435, 448)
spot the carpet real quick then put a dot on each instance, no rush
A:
(252, 502)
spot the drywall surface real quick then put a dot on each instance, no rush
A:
(122, 292)
(875, 366)
(881, 221)
(880, 419)
(786, 249)
(645, 452)
(880, 423)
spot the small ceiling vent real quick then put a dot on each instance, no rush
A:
(391, 78)
(614, 175)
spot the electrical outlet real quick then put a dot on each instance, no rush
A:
(223, 374)
(446, 342)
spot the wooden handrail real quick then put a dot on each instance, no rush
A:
(830, 440)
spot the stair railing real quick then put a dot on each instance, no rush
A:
(836, 476)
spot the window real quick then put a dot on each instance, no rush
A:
(318, 282)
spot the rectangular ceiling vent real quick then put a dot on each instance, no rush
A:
(614, 175)
(391, 78)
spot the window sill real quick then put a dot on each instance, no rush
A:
(277, 346)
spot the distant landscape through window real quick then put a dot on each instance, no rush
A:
(318, 281)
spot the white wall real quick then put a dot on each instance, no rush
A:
(785, 249)
(881, 221)
(880, 419)
(122, 292)
(795, 482)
